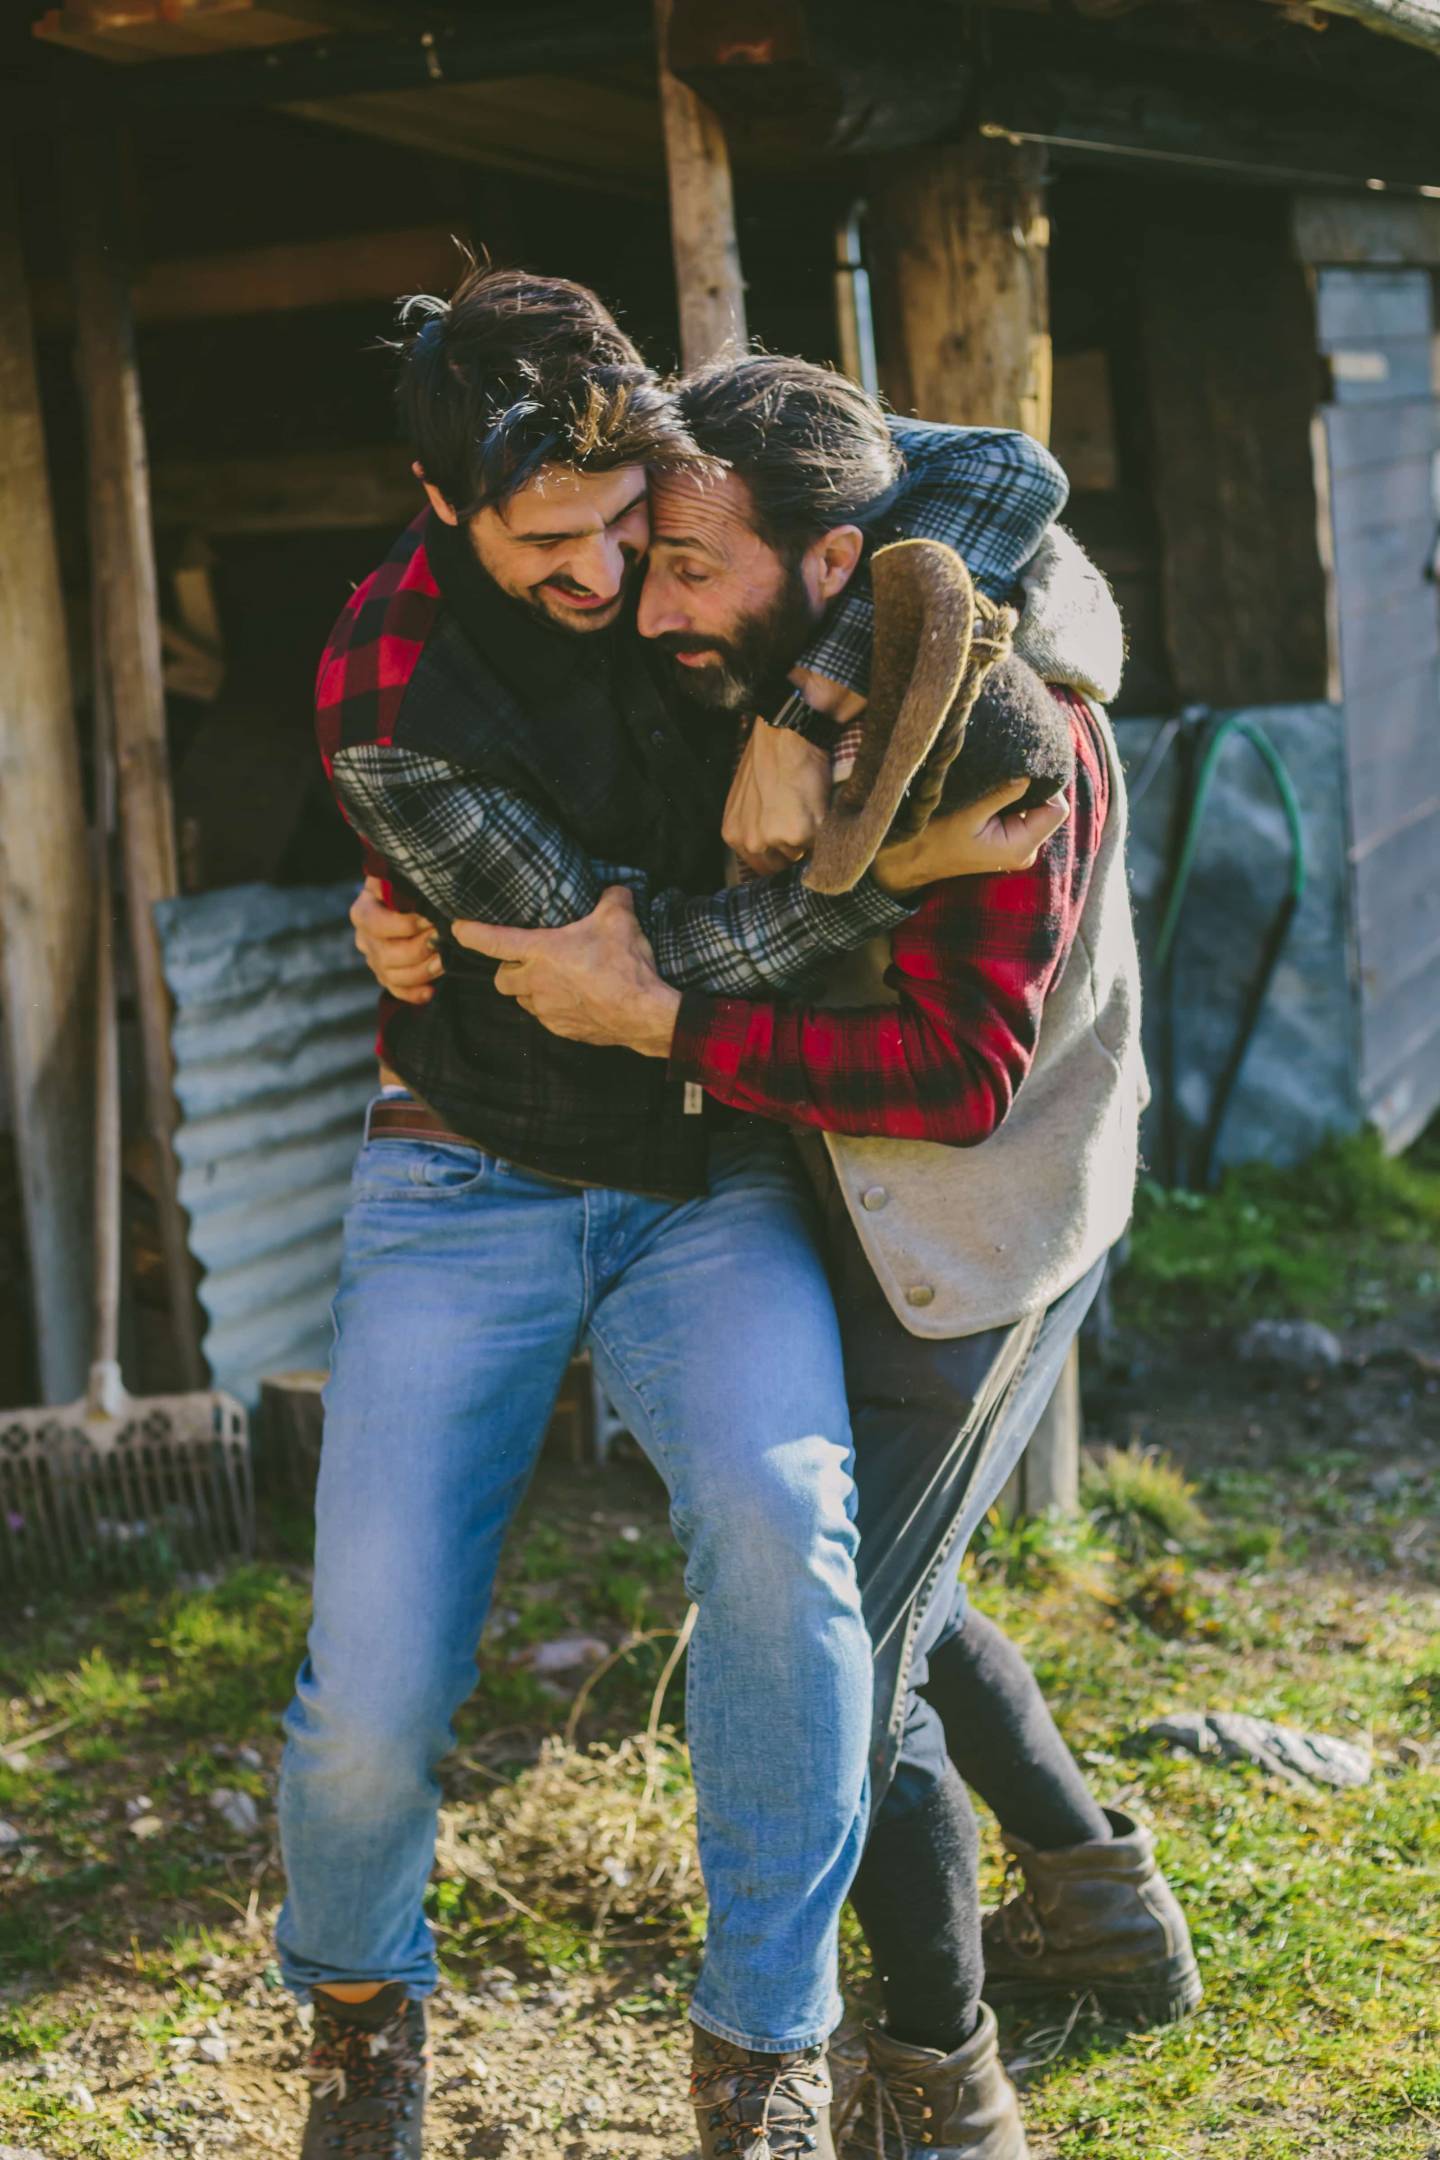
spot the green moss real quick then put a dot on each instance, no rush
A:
(1328, 1238)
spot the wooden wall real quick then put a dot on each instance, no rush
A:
(1381, 431)
(1228, 344)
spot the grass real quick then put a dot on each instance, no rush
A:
(1344, 1238)
(1232, 1555)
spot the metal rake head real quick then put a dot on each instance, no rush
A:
(131, 1491)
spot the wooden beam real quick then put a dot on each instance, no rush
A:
(124, 565)
(1414, 22)
(709, 286)
(1367, 229)
(279, 280)
(546, 127)
(307, 491)
(959, 244)
(489, 45)
(45, 881)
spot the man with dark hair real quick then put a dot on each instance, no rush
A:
(496, 739)
(961, 1279)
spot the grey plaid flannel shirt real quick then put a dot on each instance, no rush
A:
(482, 852)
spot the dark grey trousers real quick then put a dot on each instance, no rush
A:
(939, 1426)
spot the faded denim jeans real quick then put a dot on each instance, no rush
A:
(467, 1285)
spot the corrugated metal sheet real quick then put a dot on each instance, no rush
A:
(274, 1062)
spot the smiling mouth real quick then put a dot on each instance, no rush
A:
(581, 599)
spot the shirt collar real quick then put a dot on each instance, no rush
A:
(526, 651)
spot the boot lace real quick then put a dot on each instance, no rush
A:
(883, 2120)
(1017, 1917)
(369, 2084)
(768, 2112)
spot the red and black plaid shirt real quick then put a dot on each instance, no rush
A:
(972, 968)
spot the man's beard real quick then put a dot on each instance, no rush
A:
(764, 647)
(545, 601)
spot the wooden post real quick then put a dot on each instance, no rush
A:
(959, 240)
(702, 216)
(45, 881)
(124, 565)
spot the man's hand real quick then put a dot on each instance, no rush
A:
(401, 951)
(986, 837)
(594, 981)
(824, 695)
(777, 799)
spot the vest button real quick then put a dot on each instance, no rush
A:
(920, 1293)
(874, 1196)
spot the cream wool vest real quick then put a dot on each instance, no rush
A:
(963, 1239)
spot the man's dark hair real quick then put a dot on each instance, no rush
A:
(812, 447)
(516, 371)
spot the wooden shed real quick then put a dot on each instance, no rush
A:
(1193, 246)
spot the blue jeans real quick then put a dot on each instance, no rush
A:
(466, 1287)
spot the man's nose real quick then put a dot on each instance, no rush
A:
(600, 565)
(659, 612)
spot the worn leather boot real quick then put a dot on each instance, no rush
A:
(750, 2106)
(367, 2071)
(1095, 1919)
(948, 2107)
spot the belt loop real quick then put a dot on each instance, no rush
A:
(386, 1095)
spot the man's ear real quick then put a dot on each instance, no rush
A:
(831, 561)
(438, 504)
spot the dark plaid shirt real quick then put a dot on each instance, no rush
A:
(474, 849)
(517, 801)
(971, 970)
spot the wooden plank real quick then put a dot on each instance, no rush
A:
(708, 282)
(312, 491)
(1360, 436)
(546, 126)
(1366, 229)
(1393, 816)
(1386, 640)
(1082, 427)
(1381, 371)
(1353, 306)
(491, 45)
(1378, 495)
(1050, 1466)
(1414, 22)
(961, 283)
(1386, 561)
(1393, 755)
(1245, 587)
(124, 565)
(45, 871)
(1402, 1106)
(1397, 901)
(1396, 1021)
(278, 280)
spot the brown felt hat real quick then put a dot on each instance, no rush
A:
(936, 639)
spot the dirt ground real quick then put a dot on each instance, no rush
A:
(141, 2012)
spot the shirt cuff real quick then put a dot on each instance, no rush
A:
(702, 1022)
(866, 911)
(795, 717)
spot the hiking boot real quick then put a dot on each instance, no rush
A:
(1095, 1919)
(750, 2106)
(948, 2107)
(367, 2071)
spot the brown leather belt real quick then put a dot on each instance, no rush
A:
(413, 1121)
